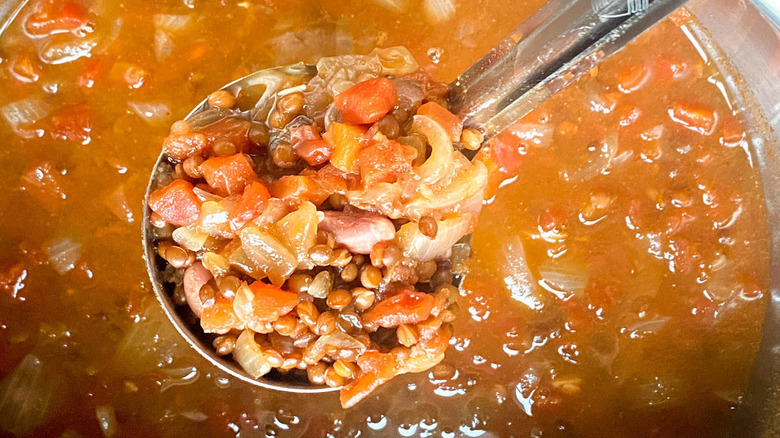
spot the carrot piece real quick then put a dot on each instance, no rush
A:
(176, 203)
(228, 175)
(271, 302)
(220, 317)
(251, 204)
(69, 17)
(670, 69)
(72, 122)
(406, 307)
(384, 160)
(629, 115)
(346, 141)
(298, 188)
(695, 118)
(231, 129)
(93, 69)
(367, 101)
(309, 145)
(450, 122)
(377, 368)
(633, 78)
(183, 146)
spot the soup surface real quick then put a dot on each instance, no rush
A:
(619, 274)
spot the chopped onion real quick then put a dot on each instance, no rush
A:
(163, 45)
(396, 61)
(205, 195)
(178, 377)
(396, 6)
(64, 48)
(438, 11)
(106, 420)
(647, 326)
(190, 238)
(150, 342)
(298, 231)
(563, 278)
(153, 113)
(439, 162)
(25, 111)
(268, 254)
(250, 355)
(244, 306)
(63, 254)
(420, 247)
(27, 396)
(213, 219)
(340, 343)
(195, 416)
(172, 23)
(517, 275)
(606, 151)
(463, 189)
(538, 135)
(116, 201)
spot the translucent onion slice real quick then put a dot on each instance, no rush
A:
(189, 237)
(420, 247)
(438, 163)
(396, 61)
(563, 278)
(250, 355)
(268, 254)
(438, 11)
(298, 231)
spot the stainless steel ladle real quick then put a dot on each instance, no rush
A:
(549, 51)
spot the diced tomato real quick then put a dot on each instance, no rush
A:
(43, 183)
(271, 302)
(377, 368)
(91, 72)
(331, 179)
(298, 188)
(24, 67)
(346, 141)
(633, 78)
(629, 115)
(220, 317)
(384, 160)
(508, 152)
(228, 175)
(367, 101)
(72, 123)
(669, 69)
(231, 129)
(176, 203)
(695, 118)
(183, 146)
(309, 145)
(450, 122)
(69, 17)
(406, 307)
(252, 203)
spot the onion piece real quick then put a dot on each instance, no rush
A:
(27, 397)
(25, 111)
(298, 231)
(420, 247)
(538, 135)
(190, 238)
(462, 190)
(64, 48)
(213, 219)
(178, 377)
(268, 255)
(63, 254)
(438, 163)
(517, 274)
(601, 163)
(438, 11)
(648, 326)
(250, 355)
(163, 45)
(397, 60)
(173, 23)
(106, 420)
(344, 346)
(153, 113)
(396, 6)
(563, 278)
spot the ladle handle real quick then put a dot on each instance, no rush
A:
(550, 50)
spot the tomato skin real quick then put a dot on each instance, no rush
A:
(220, 317)
(183, 146)
(271, 302)
(406, 307)
(367, 102)
(376, 369)
(508, 152)
(298, 188)
(70, 17)
(91, 72)
(450, 122)
(252, 203)
(228, 175)
(176, 203)
(72, 122)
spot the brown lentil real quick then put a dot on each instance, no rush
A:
(377, 255)
(428, 227)
(180, 127)
(364, 298)
(339, 299)
(316, 373)
(321, 255)
(179, 297)
(291, 104)
(285, 325)
(389, 126)
(259, 134)
(224, 344)
(370, 277)
(178, 171)
(349, 273)
(341, 257)
(443, 275)
(337, 201)
(273, 357)
(156, 220)
(326, 238)
(291, 360)
(299, 283)
(308, 313)
(228, 285)
(222, 99)
(345, 369)
(471, 139)
(207, 294)
(407, 335)
(326, 323)
(191, 166)
(224, 148)
(332, 378)
(359, 259)
(178, 257)
(284, 155)
(425, 270)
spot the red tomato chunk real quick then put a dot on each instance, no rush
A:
(406, 307)
(367, 102)
(176, 203)
(69, 17)
(228, 175)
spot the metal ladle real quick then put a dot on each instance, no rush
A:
(549, 51)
